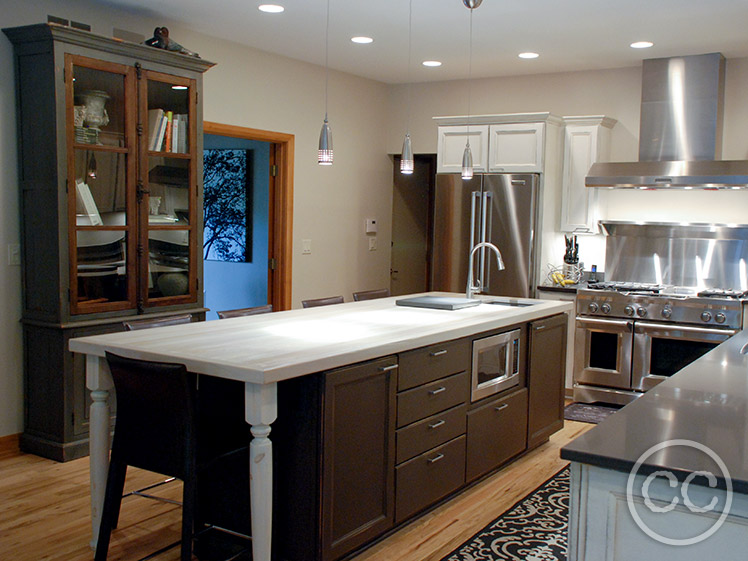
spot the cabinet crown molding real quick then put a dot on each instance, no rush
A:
(594, 120)
(500, 119)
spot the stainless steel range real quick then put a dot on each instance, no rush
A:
(630, 336)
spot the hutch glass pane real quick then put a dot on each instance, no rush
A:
(101, 188)
(101, 271)
(168, 117)
(169, 186)
(99, 107)
(168, 263)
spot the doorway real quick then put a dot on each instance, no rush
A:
(264, 276)
(412, 227)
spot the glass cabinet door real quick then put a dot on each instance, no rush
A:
(102, 148)
(168, 205)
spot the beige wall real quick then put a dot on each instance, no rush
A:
(615, 93)
(246, 88)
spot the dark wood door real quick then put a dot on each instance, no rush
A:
(358, 465)
(547, 354)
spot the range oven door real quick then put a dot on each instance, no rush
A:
(660, 350)
(602, 352)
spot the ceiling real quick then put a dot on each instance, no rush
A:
(569, 35)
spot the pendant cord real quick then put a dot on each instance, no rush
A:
(327, 55)
(470, 74)
(410, 46)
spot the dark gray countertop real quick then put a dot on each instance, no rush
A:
(706, 402)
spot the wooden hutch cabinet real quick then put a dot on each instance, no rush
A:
(110, 173)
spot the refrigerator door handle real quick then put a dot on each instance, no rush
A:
(486, 218)
(474, 217)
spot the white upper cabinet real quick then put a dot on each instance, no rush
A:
(516, 147)
(586, 141)
(452, 141)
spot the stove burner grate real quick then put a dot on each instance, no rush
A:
(722, 293)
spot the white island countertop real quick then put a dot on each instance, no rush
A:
(272, 347)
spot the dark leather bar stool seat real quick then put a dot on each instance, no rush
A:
(161, 427)
(322, 301)
(371, 294)
(245, 311)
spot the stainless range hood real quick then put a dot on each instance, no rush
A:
(680, 130)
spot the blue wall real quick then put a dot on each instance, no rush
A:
(241, 285)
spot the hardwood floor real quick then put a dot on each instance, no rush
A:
(44, 512)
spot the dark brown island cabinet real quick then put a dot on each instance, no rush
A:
(362, 449)
(110, 178)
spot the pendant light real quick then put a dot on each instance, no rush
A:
(406, 159)
(324, 154)
(467, 155)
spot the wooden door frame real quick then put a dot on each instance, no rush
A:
(280, 243)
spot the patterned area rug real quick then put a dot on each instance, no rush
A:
(588, 412)
(534, 529)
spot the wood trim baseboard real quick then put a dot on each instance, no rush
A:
(9, 445)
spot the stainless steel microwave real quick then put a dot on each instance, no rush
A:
(495, 364)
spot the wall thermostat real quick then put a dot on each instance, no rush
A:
(371, 225)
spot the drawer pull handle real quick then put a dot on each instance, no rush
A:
(502, 407)
(436, 458)
(438, 390)
(387, 368)
(439, 353)
(437, 424)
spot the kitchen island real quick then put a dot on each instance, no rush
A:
(689, 426)
(261, 351)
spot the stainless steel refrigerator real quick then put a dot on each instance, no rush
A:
(499, 208)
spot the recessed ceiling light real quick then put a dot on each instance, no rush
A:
(271, 8)
(528, 55)
(431, 63)
(362, 40)
(641, 45)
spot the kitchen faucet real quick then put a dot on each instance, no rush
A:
(471, 289)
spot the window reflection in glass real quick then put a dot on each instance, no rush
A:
(168, 263)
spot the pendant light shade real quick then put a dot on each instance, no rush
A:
(406, 161)
(467, 162)
(324, 155)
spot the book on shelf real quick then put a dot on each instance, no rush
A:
(87, 213)
(169, 132)
(154, 124)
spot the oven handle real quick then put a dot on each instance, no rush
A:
(593, 322)
(645, 327)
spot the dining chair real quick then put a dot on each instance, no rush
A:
(156, 322)
(240, 312)
(371, 294)
(159, 428)
(313, 303)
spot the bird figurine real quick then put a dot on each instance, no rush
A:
(161, 40)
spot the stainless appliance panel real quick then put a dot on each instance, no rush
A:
(602, 352)
(660, 350)
(511, 227)
(495, 366)
(452, 231)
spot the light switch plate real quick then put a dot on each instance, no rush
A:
(14, 254)
(372, 243)
(306, 247)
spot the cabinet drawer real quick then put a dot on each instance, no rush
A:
(433, 362)
(433, 431)
(427, 478)
(496, 432)
(428, 399)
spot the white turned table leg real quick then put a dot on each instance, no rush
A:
(261, 406)
(99, 381)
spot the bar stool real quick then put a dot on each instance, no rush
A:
(371, 294)
(322, 301)
(240, 312)
(158, 429)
